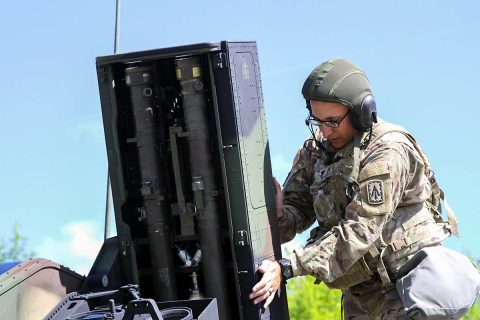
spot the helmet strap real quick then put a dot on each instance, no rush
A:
(353, 178)
(318, 143)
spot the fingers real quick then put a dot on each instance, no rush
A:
(267, 286)
(271, 275)
(263, 283)
(277, 186)
(261, 288)
(262, 294)
(265, 294)
(269, 298)
(278, 197)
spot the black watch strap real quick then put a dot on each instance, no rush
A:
(286, 268)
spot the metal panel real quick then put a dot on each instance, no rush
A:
(253, 143)
(246, 204)
(251, 126)
(261, 229)
(32, 288)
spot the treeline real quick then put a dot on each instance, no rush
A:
(308, 301)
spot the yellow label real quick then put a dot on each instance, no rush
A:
(179, 74)
(196, 72)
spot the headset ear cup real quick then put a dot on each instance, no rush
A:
(367, 114)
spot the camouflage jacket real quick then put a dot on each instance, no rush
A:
(390, 211)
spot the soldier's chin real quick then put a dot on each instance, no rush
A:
(337, 143)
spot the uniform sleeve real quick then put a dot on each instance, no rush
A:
(384, 175)
(298, 213)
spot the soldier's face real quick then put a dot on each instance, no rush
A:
(331, 111)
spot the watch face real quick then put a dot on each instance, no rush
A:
(286, 268)
(288, 272)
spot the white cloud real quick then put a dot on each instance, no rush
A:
(78, 247)
(83, 239)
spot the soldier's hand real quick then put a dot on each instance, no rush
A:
(278, 198)
(265, 289)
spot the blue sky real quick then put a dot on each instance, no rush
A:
(421, 58)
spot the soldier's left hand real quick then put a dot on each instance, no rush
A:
(278, 198)
(265, 289)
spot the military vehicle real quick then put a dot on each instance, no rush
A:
(192, 190)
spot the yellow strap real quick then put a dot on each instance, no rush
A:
(382, 271)
(452, 218)
(353, 177)
(373, 251)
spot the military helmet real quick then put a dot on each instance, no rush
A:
(342, 82)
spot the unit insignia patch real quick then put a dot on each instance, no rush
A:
(375, 192)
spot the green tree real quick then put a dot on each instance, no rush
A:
(474, 312)
(14, 249)
(309, 301)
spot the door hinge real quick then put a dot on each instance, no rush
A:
(220, 60)
(242, 238)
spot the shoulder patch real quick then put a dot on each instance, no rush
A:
(375, 192)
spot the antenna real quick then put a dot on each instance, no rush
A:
(108, 207)
(117, 27)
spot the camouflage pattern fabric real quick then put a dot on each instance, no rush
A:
(388, 210)
(373, 302)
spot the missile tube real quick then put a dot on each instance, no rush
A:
(189, 73)
(140, 79)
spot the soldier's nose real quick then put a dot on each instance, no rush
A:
(326, 131)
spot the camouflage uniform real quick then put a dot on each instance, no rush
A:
(369, 228)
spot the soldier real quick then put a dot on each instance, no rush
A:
(371, 189)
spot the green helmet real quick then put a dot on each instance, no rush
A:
(342, 82)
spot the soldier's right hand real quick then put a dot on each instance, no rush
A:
(278, 198)
(265, 289)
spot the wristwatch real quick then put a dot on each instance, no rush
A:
(286, 269)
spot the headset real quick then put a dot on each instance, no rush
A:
(363, 115)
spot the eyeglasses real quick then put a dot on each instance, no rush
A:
(314, 121)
